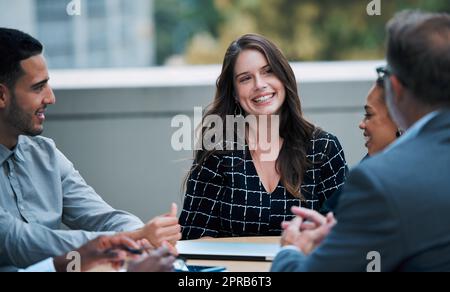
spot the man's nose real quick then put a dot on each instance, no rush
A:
(50, 97)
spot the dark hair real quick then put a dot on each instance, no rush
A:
(15, 46)
(380, 82)
(297, 133)
(418, 51)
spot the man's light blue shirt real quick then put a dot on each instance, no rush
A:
(414, 131)
(46, 266)
(40, 190)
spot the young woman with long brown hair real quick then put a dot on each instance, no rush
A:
(237, 192)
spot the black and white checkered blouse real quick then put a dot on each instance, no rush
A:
(226, 198)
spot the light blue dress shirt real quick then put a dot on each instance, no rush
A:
(46, 266)
(414, 131)
(40, 190)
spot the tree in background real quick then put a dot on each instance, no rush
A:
(306, 30)
(179, 21)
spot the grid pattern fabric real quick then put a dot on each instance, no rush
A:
(226, 198)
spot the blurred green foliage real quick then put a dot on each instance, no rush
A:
(199, 31)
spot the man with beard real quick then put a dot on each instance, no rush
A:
(40, 190)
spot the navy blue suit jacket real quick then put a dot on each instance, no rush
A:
(396, 204)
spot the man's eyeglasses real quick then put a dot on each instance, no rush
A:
(384, 72)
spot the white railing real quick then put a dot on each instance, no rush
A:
(185, 76)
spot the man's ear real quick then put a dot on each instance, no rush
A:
(4, 95)
(398, 90)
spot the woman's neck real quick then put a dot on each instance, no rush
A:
(264, 139)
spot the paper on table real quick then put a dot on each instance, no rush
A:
(228, 251)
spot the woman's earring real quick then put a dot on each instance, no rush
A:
(399, 133)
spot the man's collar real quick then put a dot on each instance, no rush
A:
(6, 154)
(19, 149)
(413, 131)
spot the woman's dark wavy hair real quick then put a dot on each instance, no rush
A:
(297, 133)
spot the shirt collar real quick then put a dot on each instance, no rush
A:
(414, 131)
(6, 154)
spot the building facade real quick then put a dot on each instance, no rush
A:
(87, 33)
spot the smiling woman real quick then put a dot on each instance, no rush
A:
(236, 192)
(378, 126)
(252, 70)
